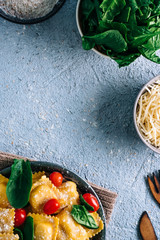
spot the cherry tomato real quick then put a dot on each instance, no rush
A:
(91, 200)
(20, 217)
(51, 206)
(56, 178)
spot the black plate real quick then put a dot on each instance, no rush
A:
(12, 18)
(83, 186)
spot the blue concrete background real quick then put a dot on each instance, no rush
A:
(62, 104)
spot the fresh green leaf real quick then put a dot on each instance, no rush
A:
(87, 8)
(83, 217)
(87, 45)
(139, 40)
(83, 202)
(123, 59)
(153, 43)
(112, 39)
(145, 3)
(157, 9)
(121, 27)
(132, 21)
(19, 184)
(28, 229)
(97, 8)
(124, 16)
(19, 232)
(149, 54)
(133, 4)
(111, 8)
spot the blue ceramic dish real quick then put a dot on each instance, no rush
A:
(83, 186)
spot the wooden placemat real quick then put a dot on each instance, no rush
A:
(107, 197)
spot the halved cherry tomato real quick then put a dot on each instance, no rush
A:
(20, 217)
(56, 178)
(51, 206)
(91, 200)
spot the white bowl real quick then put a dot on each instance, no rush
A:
(155, 149)
(80, 29)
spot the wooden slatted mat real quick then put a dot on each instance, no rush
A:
(107, 197)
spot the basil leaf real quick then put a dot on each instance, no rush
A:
(83, 217)
(19, 232)
(83, 202)
(19, 184)
(28, 230)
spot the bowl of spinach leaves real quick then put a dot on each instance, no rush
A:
(120, 29)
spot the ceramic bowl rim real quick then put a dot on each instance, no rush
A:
(143, 89)
(71, 175)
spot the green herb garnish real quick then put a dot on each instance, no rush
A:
(28, 229)
(19, 232)
(19, 184)
(83, 202)
(83, 217)
(122, 29)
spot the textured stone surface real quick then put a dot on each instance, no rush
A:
(60, 103)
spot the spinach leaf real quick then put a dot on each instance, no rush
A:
(143, 3)
(123, 59)
(150, 54)
(139, 40)
(133, 4)
(87, 8)
(98, 12)
(19, 232)
(157, 9)
(91, 25)
(149, 49)
(83, 217)
(86, 44)
(111, 8)
(28, 229)
(121, 27)
(112, 39)
(124, 15)
(153, 43)
(19, 184)
(153, 22)
(83, 202)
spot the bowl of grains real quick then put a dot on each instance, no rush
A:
(147, 114)
(29, 11)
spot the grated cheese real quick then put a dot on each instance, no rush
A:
(148, 114)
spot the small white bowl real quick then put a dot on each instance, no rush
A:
(157, 150)
(78, 15)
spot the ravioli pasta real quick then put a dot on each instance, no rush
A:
(61, 226)
(6, 220)
(70, 229)
(4, 203)
(45, 227)
(9, 237)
